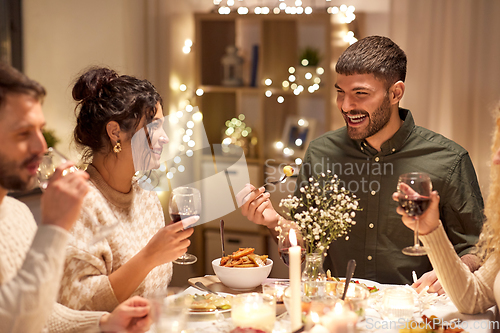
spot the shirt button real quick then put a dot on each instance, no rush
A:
(377, 159)
(373, 192)
(371, 225)
(369, 258)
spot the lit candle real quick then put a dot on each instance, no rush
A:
(294, 274)
(339, 320)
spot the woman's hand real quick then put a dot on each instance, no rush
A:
(428, 221)
(130, 316)
(170, 242)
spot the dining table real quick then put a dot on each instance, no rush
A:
(444, 309)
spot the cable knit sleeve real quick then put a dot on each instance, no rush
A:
(85, 284)
(27, 299)
(470, 292)
(66, 320)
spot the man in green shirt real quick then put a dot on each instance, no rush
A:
(379, 142)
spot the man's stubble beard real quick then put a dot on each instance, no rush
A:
(377, 121)
(9, 175)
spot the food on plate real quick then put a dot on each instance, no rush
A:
(329, 277)
(430, 325)
(288, 171)
(244, 257)
(210, 302)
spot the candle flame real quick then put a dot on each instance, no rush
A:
(338, 308)
(293, 238)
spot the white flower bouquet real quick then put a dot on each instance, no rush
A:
(323, 212)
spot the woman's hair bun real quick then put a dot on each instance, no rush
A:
(91, 82)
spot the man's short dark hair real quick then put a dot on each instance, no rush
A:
(375, 55)
(12, 81)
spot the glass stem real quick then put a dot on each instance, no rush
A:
(415, 234)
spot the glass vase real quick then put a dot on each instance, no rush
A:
(313, 270)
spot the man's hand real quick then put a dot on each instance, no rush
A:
(130, 316)
(62, 200)
(256, 206)
(429, 279)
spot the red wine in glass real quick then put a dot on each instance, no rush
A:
(284, 242)
(184, 202)
(179, 217)
(414, 205)
(414, 190)
(285, 255)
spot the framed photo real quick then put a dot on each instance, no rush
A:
(297, 134)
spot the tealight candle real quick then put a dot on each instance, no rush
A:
(257, 311)
(339, 320)
(295, 274)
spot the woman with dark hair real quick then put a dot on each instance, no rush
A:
(136, 258)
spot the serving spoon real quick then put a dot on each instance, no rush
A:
(222, 238)
(351, 266)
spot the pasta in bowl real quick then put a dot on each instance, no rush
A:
(242, 278)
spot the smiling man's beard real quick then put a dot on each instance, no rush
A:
(377, 121)
(9, 174)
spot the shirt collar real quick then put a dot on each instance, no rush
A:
(398, 139)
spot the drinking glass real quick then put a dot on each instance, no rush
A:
(284, 242)
(170, 314)
(48, 165)
(414, 190)
(184, 202)
(398, 304)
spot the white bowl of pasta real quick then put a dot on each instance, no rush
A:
(242, 278)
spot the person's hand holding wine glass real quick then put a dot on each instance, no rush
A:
(184, 205)
(63, 192)
(415, 197)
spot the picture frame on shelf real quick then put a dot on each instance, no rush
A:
(297, 134)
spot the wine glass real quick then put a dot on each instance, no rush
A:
(184, 202)
(414, 190)
(48, 165)
(284, 242)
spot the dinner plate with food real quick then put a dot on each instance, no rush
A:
(207, 303)
(372, 286)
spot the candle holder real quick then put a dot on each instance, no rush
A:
(254, 310)
(333, 315)
(275, 289)
(356, 298)
(310, 292)
(398, 303)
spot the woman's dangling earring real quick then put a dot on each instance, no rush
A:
(118, 147)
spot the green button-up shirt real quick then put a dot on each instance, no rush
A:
(378, 237)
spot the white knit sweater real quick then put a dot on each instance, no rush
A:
(30, 271)
(85, 284)
(470, 292)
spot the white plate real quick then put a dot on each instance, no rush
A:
(193, 291)
(369, 283)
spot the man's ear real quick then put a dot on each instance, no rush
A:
(396, 92)
(113, 130)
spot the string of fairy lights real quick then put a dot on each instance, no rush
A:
(309, 78)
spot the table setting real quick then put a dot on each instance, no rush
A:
(241, 298)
